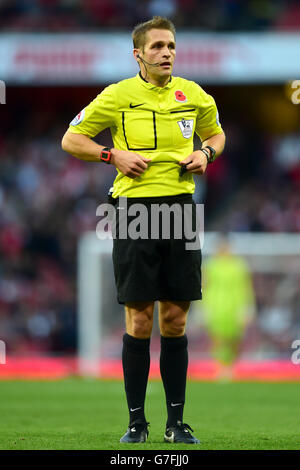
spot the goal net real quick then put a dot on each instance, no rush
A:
(273, 261)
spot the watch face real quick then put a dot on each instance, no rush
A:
(105, 155)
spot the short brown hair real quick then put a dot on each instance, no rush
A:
(157, 22)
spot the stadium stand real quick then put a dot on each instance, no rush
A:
(89, 15)
(48, 199)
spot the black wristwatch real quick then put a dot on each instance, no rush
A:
(212, 154)
(105, 155)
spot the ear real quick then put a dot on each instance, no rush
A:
(136, 53)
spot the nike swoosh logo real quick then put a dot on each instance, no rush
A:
(134, 409)
(176, 404)
(135, 106)
(170, 438)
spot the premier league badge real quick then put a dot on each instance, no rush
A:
(186, 127)
(78, 119)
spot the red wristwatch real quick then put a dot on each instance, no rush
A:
(105, 155)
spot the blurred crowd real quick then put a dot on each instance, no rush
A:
(90, 15)
(47, 199)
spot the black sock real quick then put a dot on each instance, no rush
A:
(173, 369)
(136, 364)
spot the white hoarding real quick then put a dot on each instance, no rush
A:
(103, 58)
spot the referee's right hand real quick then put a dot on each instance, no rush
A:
(129, 163)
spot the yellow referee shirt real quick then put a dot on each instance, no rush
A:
(155, 122)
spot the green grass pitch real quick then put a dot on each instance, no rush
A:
(92, 414)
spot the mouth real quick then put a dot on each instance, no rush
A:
(165, 64)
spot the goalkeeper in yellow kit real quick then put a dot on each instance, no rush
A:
(228, 304)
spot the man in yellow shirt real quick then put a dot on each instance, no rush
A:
(152, 118)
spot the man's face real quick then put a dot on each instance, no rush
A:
(159, 47)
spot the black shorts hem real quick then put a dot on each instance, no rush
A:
(159, 299)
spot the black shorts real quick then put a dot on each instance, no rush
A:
(159, 268)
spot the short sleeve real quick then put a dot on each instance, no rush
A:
(207, 123)
(97, 116)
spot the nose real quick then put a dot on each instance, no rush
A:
(166, 53)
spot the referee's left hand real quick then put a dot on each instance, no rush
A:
(196, 162)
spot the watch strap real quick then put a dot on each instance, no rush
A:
(212, 155)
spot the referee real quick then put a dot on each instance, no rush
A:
(152, 118)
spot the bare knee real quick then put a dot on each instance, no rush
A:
(173, 320)
(139, 320)
(172, 326)
(140, 325)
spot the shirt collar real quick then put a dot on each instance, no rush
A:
(150, 86)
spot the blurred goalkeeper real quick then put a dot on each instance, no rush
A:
(228, 304)
(152, 118)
